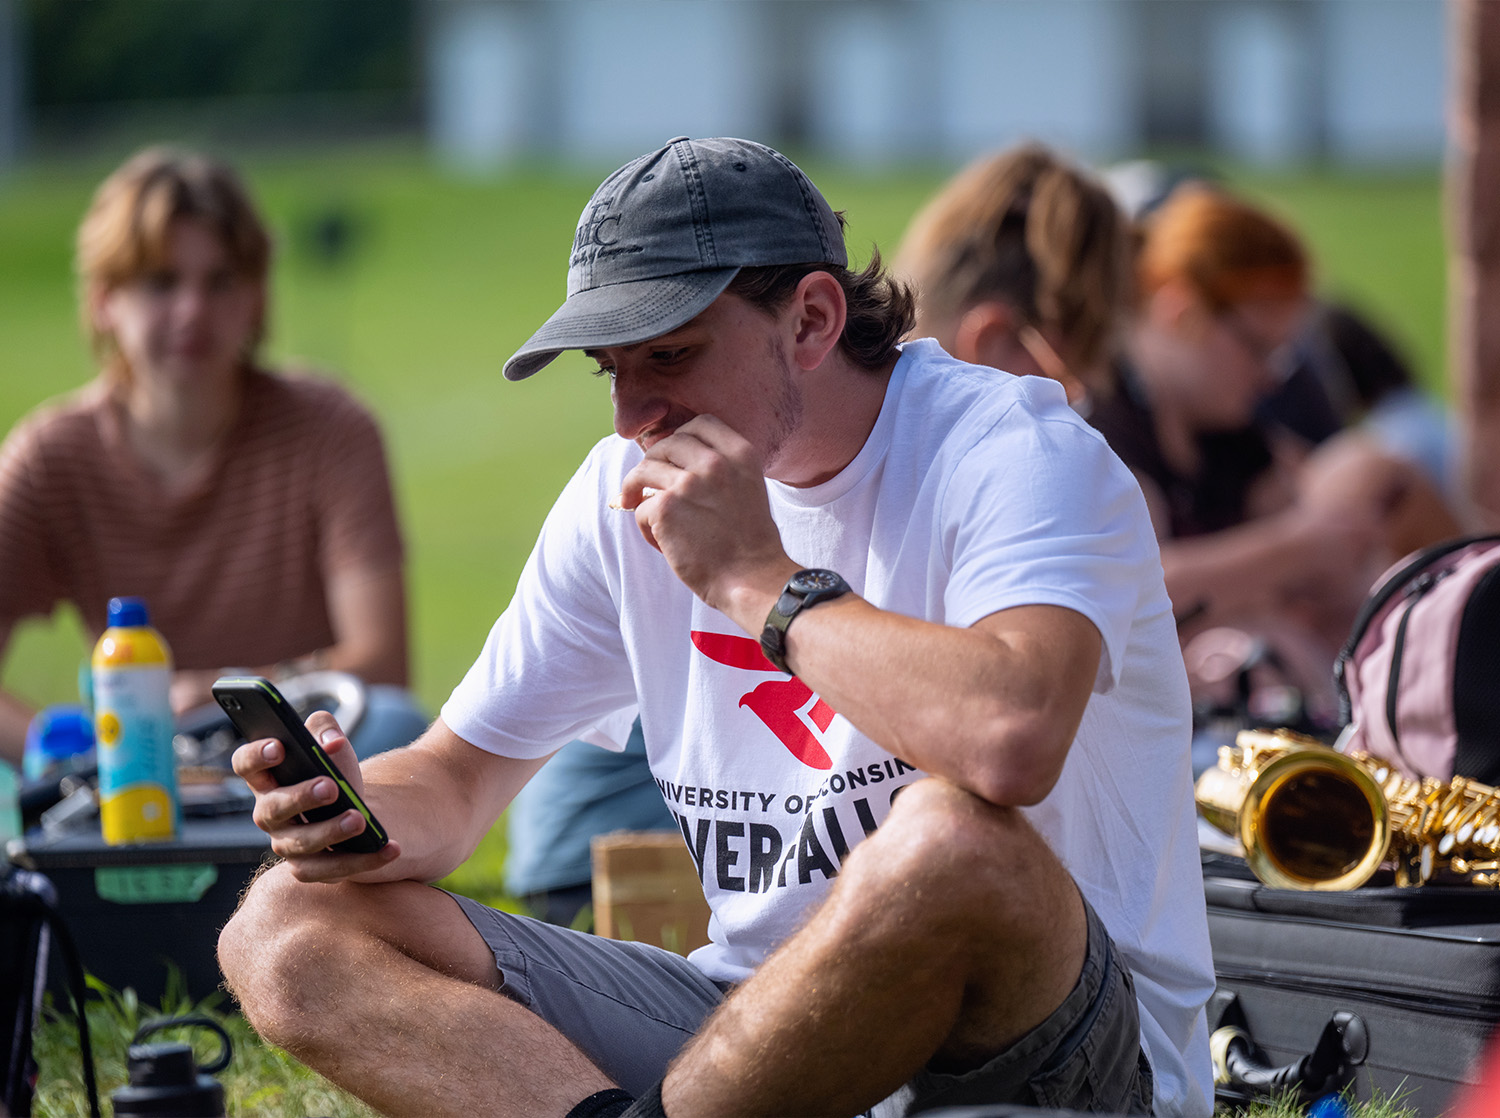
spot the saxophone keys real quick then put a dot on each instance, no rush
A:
(1414, 865)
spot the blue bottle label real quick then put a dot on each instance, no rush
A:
(137, 770)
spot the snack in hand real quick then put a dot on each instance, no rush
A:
(618, 500)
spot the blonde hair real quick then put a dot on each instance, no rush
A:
(1227, 250)
(124, 235)
(1026, 227)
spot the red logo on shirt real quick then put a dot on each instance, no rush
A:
(775, 702)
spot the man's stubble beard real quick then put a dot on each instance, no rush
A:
(786, 409)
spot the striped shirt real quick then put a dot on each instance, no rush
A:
(233, 571)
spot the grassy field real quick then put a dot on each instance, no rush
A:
(261, 1081)
(443, 277)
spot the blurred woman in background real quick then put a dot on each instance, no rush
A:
(1168, 338)
(1022, 262)
(251, 509)
(1257, 530)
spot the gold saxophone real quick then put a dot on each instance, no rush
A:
(1309, 817)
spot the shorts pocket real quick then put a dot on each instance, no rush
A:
(1065, 1087)
(1075, 1085)
(1103, 1068)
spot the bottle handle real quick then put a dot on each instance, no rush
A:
(191, 1021)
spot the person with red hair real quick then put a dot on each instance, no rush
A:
(1258, 530)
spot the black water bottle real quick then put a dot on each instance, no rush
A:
(166, 1081)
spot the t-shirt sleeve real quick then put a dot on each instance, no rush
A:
(554, 666)
(29, 580)
(614, 731)
(358, 526)
(1043, 513)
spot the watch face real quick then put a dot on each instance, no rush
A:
(808, 581)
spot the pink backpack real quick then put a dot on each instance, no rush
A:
(1419, 677)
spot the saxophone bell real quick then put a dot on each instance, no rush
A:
(1306, 816)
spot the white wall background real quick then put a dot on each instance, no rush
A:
(631, 74)
(1031, 68)
(1387, 78)
(880, 81)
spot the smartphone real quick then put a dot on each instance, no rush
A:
(258, 711)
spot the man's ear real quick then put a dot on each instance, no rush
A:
(986, 335)
(818, 311)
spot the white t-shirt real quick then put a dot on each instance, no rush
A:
(975, 492)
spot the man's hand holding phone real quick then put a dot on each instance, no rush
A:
(319, 844)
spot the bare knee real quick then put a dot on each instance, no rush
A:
(968, 897)
(957, 863)
(272, 910)
(297, 954)
(280, 951)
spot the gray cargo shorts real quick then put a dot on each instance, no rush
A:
(631, 1007)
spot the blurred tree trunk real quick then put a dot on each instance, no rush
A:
(1474, 223)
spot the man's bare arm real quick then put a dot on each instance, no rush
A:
(436, 798)
(993, 708)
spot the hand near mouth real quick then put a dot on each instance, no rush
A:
(699, 497)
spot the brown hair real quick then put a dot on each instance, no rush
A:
(1030, 229)
(880, 309)
(124, 234)
(1227, 250)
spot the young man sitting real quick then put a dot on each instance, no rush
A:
(827, 568)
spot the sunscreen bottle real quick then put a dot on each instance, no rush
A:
(132, 671)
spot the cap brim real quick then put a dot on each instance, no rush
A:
(619, 314)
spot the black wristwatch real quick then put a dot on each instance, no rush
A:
(803, 589)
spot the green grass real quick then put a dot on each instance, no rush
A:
(261, 1080)
(447, 275)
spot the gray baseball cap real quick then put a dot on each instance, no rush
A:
(663, 236)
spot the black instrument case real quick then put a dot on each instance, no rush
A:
(1405, 983)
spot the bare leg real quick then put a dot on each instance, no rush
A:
(951, 932)
(390, 992)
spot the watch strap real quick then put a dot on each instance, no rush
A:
(796, 596)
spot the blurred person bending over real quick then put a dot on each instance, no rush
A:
(1257, 529)
(1023, 262)
(1367, 383)
(251, 509)
(827, 569)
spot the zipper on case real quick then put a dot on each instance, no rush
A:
(1413, 594)
(1422, 1000)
